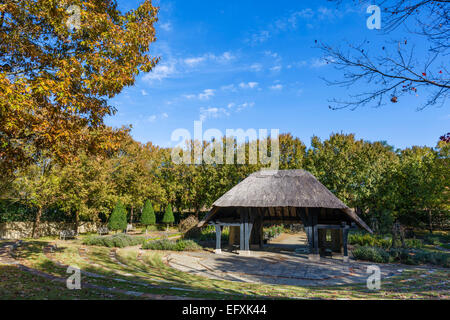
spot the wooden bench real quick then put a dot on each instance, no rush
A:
(67, 234)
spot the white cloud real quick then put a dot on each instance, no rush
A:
(319, 62)
(230, 87)
(164, 115)
(161, 71)
(250, 85)
(222, 58)
(276, 68)
(144, 93)
(244, 105)
(152, 118)
(256, 67)
(166, 26)
(206, 113)
(276, 87)
(192, 62)
(206, 94)
(260, 37)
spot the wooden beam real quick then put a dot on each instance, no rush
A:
(218, 239)
(316, 233)
(344, 240)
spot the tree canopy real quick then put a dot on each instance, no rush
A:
(56, 76)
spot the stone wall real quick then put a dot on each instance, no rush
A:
(19, 230)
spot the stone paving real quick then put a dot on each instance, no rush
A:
(288, 268)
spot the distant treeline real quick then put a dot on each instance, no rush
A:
(383, 184)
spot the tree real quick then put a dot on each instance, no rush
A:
(59, 65)
(118, 218)
(148, 215)
(86, 187)
(396, 68)
(38, 185)
(168, 217)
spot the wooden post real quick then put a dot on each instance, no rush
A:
(245, 234)
(316, 233)
(242, 232)
(218, 239)
(344, 241)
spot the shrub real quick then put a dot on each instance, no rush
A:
(402, 255)
(117, 241)
(273, 231)
(207, 233)
(168, 217)
(369, 240)
(180, 245)
(433, 240)
(148, 217)
(118, 218)
(370, 254)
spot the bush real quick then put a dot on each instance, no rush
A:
(180, 245)
(369, 240)
(273, 231)
(117, 241)
(148, 217)
(370, 254)
(402, 255)
(168, 216)
(118, 218)
(433, 240)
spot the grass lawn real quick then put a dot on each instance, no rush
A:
(127, 270)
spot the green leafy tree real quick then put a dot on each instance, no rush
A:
(118, 218)
(168, 217)
(148, 215)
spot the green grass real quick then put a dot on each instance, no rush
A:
(148, 271)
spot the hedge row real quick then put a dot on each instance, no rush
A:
(180, 245)
(401, 255)
(118, 241)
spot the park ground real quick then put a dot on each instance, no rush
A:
(37, 269)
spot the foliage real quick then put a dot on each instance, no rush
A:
(56, 79)
(117, 241)
(383, 185)
(370, 254)
(118, 218)
(168, 215)
(208, 233)
(401, 255)
(179, 245)
(148, 215)
(366, 239)
(273, 231)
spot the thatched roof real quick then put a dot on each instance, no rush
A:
(282, 188)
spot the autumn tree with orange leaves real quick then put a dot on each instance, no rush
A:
(56, 73)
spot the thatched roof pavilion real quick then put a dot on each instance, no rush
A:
(283, 196)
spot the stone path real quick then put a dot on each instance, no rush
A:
(275, 268)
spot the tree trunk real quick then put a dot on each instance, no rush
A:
(37, 223)
(131, 215)
(430, 221)
(77, 221)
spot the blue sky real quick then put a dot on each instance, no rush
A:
(252, 64)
